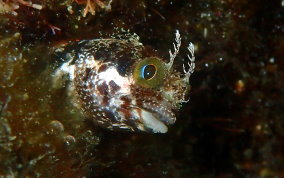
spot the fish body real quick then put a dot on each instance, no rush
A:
(123, 85)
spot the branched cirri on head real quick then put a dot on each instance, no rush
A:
(123, 85)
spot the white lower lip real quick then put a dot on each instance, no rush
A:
(151, 122)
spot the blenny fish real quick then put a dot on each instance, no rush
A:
(120, 84)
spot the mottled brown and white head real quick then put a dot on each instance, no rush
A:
(122, 84)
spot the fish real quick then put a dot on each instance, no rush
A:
(120, 84)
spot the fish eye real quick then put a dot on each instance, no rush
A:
(148, 71)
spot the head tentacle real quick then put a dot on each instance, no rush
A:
(176, 50)
(191, 63)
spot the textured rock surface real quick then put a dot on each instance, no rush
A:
(233, 125)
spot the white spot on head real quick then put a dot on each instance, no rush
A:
(112, 74)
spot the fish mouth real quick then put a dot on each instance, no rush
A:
(155, 118)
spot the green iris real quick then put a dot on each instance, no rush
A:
(150, 72)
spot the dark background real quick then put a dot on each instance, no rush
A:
(233, 125)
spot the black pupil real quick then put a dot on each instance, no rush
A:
(149, 72)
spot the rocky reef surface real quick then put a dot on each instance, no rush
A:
(233, 125)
